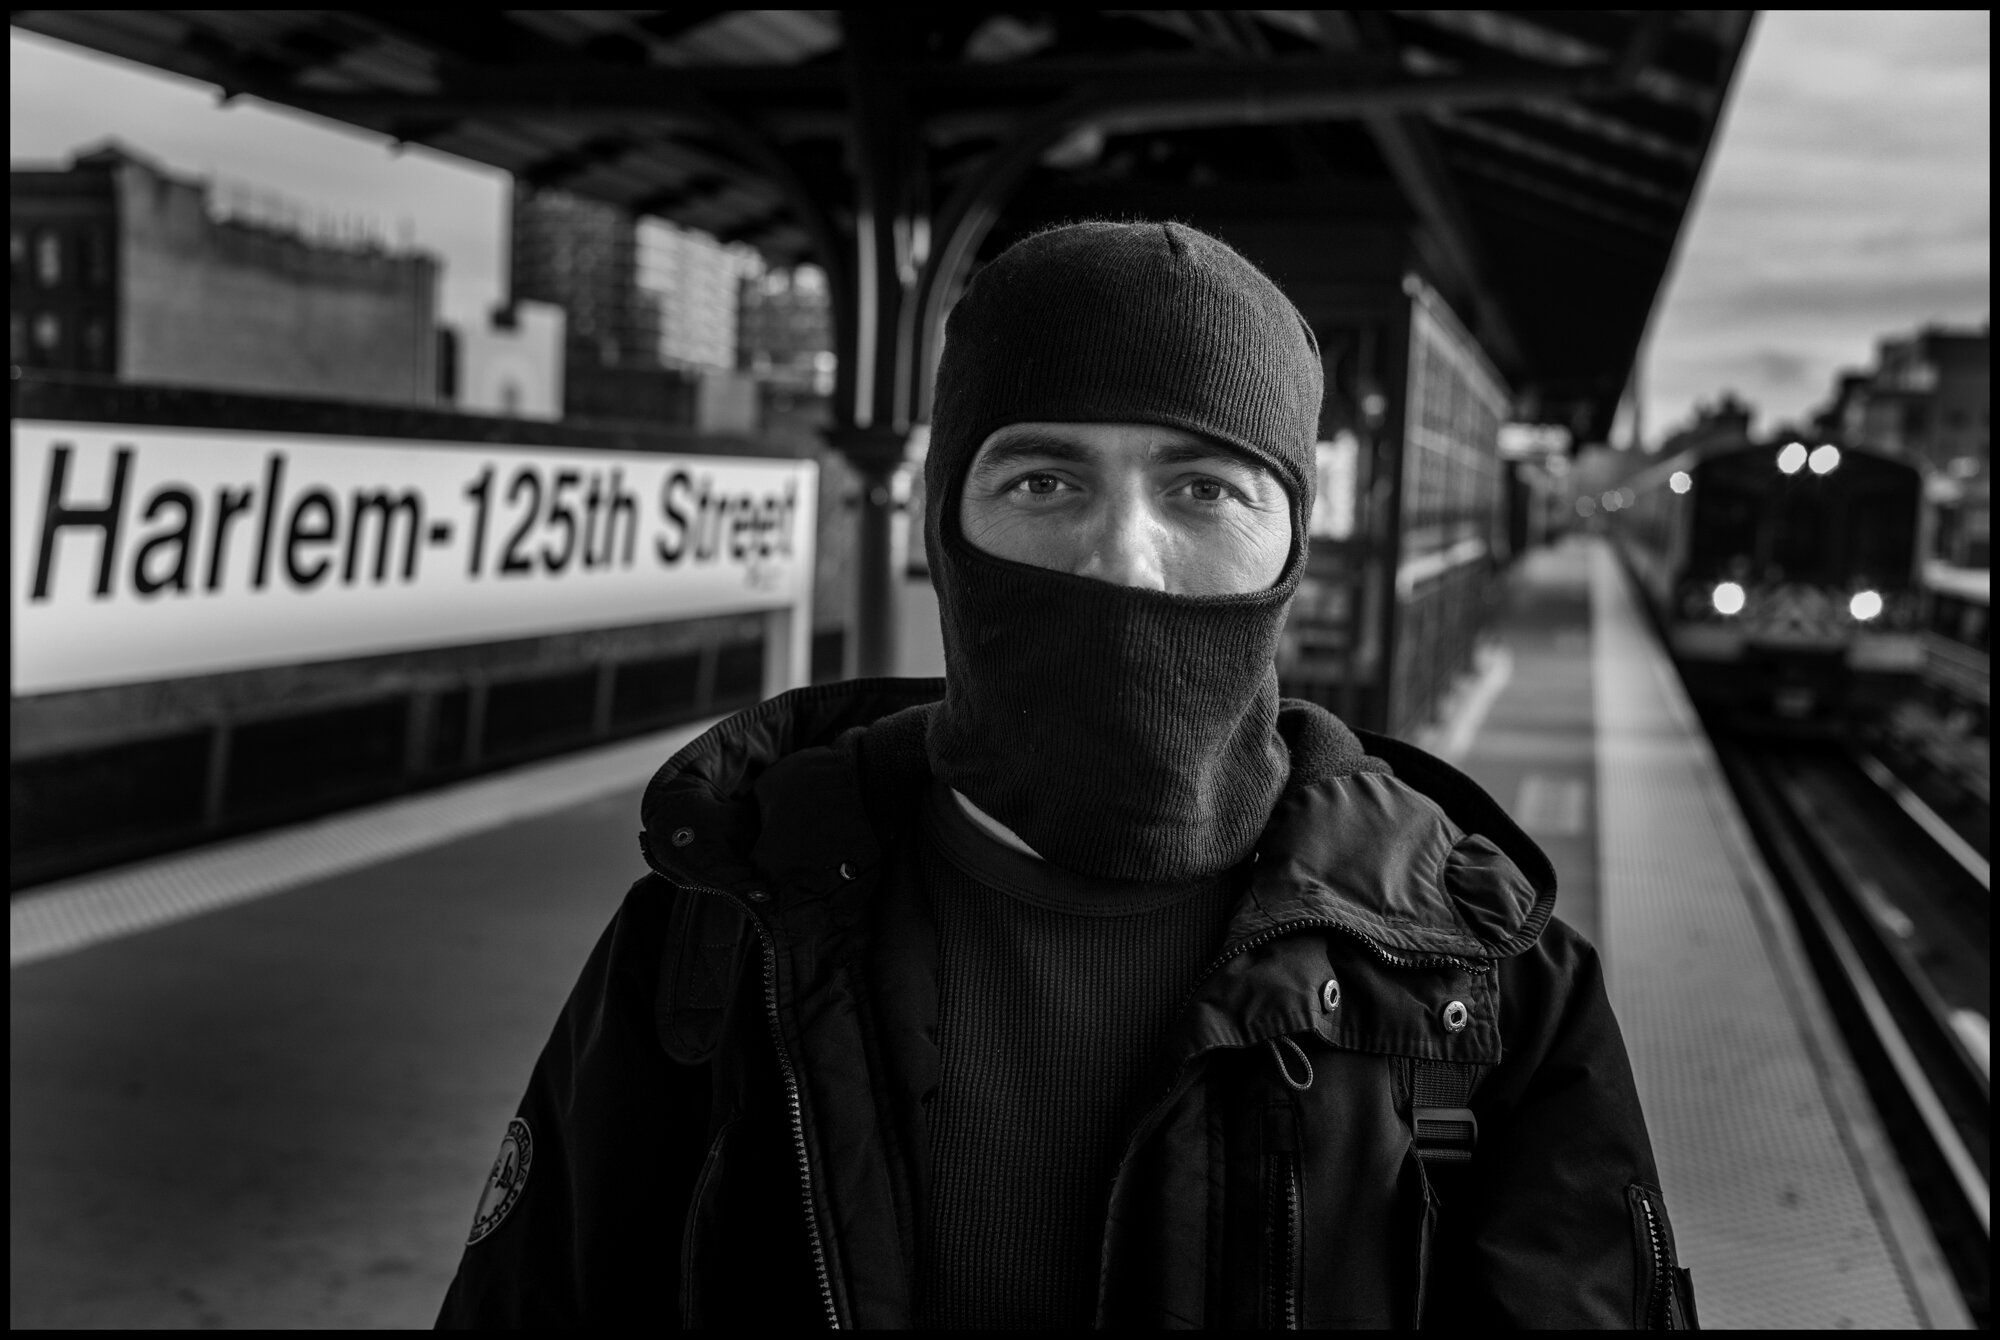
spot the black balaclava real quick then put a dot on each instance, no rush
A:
(1122, 733)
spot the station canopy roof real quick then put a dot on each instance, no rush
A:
(1547, 157)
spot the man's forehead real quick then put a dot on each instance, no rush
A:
(1086, 442)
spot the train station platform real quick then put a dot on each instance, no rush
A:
(258, 1084)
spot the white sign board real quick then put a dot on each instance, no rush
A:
(143, 553)
(1337, 464)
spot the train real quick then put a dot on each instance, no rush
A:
(1786, 579)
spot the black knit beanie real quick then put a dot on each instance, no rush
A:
(1123, 733)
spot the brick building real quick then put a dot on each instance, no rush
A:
(121, 268)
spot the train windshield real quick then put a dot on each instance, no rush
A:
(1879, 535)
(1725, 529)
(1845, 531)
(1855, 526)
(1798, 550)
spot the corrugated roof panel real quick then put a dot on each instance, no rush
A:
(1609, 128)
(569, 28)
(1573, 164)
(491, 141)
(1006, 37)
(249, 27)
(1505, 32)
(393, 63)
(759, 37)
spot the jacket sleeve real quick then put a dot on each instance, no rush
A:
(581, 1220)
(1561, 1222)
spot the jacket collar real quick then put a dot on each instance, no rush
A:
(1371, 834)
(701, 820)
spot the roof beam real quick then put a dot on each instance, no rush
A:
(1564, 160)
(1413, 158)
(1280, 87)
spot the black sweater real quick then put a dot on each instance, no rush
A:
(1056, 992)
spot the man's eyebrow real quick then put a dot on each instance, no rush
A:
(1018, 447)
(1182, 453)
(1031, 446)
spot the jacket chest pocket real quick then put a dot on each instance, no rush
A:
(1328, 1221)
(745, 1258)
(699, 1237)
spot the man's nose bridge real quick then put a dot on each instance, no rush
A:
(1126, 546)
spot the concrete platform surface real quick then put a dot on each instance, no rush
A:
(280, 1113)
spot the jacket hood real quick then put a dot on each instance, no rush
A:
(1370, 833)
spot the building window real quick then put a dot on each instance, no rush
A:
(48, 331)
(17, 248)
(96, 351)
(48, 258)
(97, 257)
(17, 337)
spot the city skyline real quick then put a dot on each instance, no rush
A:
(1847, 199)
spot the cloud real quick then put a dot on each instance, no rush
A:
(1848, 198)
(1777, 367)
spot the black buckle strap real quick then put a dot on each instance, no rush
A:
(1445, 1134)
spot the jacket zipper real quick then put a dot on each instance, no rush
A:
(1657, 1310)
(792, 1101)
(1281, 1232)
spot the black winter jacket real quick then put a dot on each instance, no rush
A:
(727, 1127)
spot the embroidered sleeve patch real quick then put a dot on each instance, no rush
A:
(506, 1182)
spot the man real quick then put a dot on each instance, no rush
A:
(1104, 988)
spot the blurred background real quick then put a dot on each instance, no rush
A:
(421, 427)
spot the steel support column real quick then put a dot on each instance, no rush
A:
(889, 247)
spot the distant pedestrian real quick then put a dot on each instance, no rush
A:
(1093, 984)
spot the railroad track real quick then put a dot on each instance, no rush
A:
(1895, 912)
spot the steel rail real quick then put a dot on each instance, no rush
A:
(1927, 819)
(1786, 839)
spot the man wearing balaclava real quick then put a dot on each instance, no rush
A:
(1095, 984)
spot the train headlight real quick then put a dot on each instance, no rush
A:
(1824, 459)
(1792, 459)
(1727, 598)
(1865, 605)
(1681, 482)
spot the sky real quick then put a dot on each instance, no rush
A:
(1846, 199)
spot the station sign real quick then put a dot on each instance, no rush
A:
(145, 553)
(1533, 441)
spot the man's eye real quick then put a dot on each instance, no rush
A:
(1208, 490)
(1039, 485)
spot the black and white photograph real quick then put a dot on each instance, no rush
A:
(953, 669)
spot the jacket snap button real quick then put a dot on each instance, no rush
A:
(1329, 994)
(847, 870)
(1455, 1015)
(683, 836)
(757, 896)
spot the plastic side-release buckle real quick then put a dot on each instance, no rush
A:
(1445, 1134)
